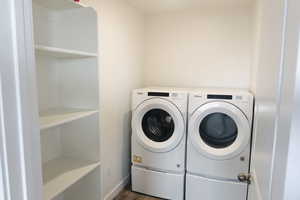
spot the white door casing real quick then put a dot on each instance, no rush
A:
(19, 126)
(172, 110)
(285, 179)
(268, 81)
(242, 123)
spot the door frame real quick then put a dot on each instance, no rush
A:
(286, 144)
(286, 164)
(20, 159)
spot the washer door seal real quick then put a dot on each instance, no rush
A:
(219, 130)
(158, 125)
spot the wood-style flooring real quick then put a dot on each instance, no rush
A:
(127, 194)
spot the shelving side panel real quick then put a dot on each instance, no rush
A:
(69, 83)
(43, 24)
(51, 144)
(73, 29)
(80, 139)
(62, 173)
(88, 188)
(47, 79)
(76, 29)
(78, 79)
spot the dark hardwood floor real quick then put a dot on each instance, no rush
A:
(127, 194)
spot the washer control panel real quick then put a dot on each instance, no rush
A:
(172, 95)
(220, 97)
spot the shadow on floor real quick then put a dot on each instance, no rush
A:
(127, 194)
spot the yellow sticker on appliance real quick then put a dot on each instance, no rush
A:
(137, 159)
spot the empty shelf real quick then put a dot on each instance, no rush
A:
(62, 53)
(59, 116)
(61, 173)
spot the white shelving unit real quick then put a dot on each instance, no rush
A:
(67, 77)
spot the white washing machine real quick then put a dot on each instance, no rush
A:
(159, 142)
(218, 144)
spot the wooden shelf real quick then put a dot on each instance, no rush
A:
(59, 4)
(59, 116)
(61, 173)
(62, 53)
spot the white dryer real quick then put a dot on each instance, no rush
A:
(218, 144)
(159, 142)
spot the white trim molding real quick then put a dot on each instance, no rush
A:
(117, 189)
(19, 132)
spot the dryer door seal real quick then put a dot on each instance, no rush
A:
(219, 130)
(158, 125)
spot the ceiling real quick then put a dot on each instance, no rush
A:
(155, 6)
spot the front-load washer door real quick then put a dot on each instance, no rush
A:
(158, 125)
(219, 130)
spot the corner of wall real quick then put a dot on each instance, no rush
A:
(118, 188)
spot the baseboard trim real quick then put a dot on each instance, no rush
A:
(117, 189)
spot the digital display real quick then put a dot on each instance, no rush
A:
(159, 94)
(217, 96)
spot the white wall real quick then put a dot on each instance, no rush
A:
(121, 57)
(201, 47)
(257, 14)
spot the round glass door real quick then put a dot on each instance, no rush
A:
(218, 130)
(158, 125)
